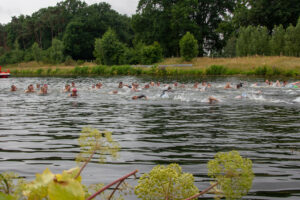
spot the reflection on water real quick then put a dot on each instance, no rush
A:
(41, 131)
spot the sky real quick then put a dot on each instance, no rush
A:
(10, 8)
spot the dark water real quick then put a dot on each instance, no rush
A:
(41, 131)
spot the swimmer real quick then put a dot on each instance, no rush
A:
(227, 86)
(74, 93)
(147, 86)
(296, 83)
(44, 90)
(158, 84)
(99, 85)
(164, 94)
(30, 89)
(73, 85)
(243, 96)
(238, 86)
(152, 83)
(182, 86)
(196, 85)
(67, 88)
(139, 97)
(284, 83)
(175, 84)
(120, 85)
(278, 83)
(212, 100)
(38, 86)
(254, 85)
(267, 82)
(113, 92)
(203, 83)
(13, 88)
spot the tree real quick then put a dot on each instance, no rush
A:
(36, 52)
(230, 48)
(259, 41)
(243, 41)
(277, 41)
(167, 21)
(78, 42)
(108, 49)
(56, 54)
(188, 47)
(17, 54)
(267, 13)
(151, 54)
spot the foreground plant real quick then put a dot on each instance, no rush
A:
(232, 175)
(232, 178)
(166, 182)
(67, 185)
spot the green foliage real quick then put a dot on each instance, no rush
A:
(56, 54)
(230, 48)
(92, 141)
(233, 173)
(253, 41)
(17, 55)
(167, 21)
(188, 47)
(292, 40)
(37, 52)
(166, 182)
(69, 61)
(151, 54)
(277, 42)
(98, 51)
(264, 13)
(216, 70)
(108, 49)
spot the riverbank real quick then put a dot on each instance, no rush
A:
(246, 66)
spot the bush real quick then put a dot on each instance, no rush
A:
(216, 70)
(188, 47)
(56, 54)
(151, 54)
(108, 50)
(80, 62)
(69, 61)
(37, 52)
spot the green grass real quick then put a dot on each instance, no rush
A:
(126, 70)
(246, 66)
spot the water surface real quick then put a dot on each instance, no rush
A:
(41, 131)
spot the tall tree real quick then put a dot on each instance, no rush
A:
(277, 41)
(167, 21)
(56, 51)
(267, 13)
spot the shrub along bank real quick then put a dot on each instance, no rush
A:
(213, 70)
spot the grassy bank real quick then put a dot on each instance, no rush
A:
(249, 66)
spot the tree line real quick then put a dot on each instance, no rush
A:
(73, 30)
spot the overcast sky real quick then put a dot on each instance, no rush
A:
(9, 8)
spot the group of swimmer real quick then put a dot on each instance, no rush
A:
(203, 86)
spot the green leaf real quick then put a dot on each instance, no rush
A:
(65, 189)
(38, 189)
(6, 197)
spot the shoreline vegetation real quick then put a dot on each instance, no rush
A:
(267, 66)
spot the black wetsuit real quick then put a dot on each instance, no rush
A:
(141, 96)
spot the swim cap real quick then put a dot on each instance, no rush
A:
(74, 90)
